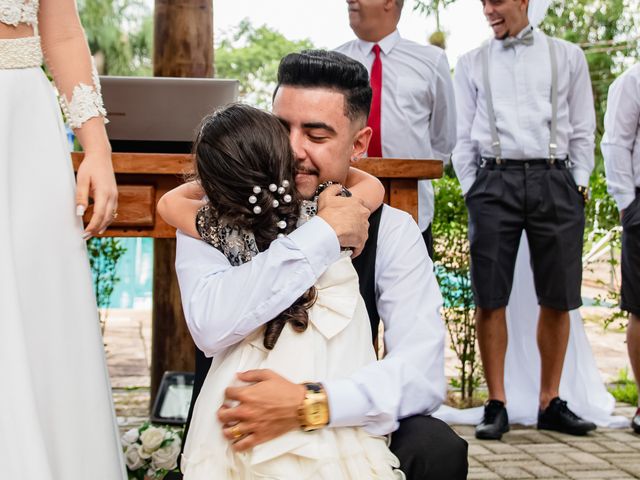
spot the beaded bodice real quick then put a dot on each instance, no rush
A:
(14, 12)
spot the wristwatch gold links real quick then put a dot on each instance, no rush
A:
(584, 191)
(313, 413)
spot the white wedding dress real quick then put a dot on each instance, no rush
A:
(335, 344)
(56, 413)
(581, 384)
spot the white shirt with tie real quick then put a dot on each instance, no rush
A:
(224, 304)
(621, 141)
(520, 78)
(417, 106)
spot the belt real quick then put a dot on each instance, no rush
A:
(20, 53)
(487, 162)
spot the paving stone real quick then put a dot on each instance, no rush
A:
(510, 472)
(477, 449)
(502, 448)
(481, 473)
(509, 457)
(538, 470)
(585, 458)
(595, 474)
(555, 459)
(615, 446)
(591, 447)
(622, 436)
(547, 447)
(465, 430)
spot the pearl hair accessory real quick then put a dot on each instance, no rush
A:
(276, 190)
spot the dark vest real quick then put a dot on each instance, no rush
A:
(365, 265)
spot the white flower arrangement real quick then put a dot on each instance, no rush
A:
(151, 451)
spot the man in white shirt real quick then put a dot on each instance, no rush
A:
(524, 154)
(323, 99)
(417, 107)
(621, 151)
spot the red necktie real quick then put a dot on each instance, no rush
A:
(375, 145)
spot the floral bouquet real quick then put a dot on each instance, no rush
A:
(151, 451)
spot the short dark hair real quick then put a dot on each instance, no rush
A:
(331, 70)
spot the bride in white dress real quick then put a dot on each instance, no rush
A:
(56, 413)
(246, 167)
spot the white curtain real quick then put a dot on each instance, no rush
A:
(537, 11)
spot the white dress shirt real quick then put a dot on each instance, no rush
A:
(520, 79)
(621, 141)
(224, 304)
(417, 107)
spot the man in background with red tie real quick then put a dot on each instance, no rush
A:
(413, 112)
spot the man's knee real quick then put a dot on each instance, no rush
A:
(428, 449)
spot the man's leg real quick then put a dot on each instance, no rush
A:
(427, 236)
(633, 346)
(428, 449)
(553, 337)
(491, 332)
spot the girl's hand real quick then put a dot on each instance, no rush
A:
(96, 180)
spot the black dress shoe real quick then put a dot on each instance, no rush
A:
(635, 423)
(558, 417)
(495, 421)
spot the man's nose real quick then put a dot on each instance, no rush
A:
(297, 145)
(488, 9)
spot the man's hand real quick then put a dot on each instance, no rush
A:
(267, 409)
(348, 217)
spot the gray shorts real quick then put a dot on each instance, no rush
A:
(631, 257)
(544, 201)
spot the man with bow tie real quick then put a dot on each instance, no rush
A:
(524, 155)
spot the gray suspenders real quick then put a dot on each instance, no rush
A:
(495, 144)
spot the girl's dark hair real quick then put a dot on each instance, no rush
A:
(239, 147)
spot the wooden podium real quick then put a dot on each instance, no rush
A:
(144, 178)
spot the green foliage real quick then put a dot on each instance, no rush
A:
(624, 389)
(252, 55)
(104, 254)
(452, 265)
(120, 35)
(432, 7)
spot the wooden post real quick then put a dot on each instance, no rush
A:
(183, 38)
(183, 47)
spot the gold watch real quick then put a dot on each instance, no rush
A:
(313, 413)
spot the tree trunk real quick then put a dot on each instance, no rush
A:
(183, 38)
(183, 47)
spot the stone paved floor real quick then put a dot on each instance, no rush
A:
(528, 453)
(523, 453)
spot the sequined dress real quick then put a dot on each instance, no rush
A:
(335, 344)
(56, 413)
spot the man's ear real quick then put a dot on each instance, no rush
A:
(361, 143)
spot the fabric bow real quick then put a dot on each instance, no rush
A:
(525, 39)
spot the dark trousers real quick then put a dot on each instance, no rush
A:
(428, 449)
(427, 235)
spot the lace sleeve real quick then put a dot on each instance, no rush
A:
(67, 55)
(238, 245)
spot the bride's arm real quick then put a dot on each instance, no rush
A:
(68, 58)
(366, 187)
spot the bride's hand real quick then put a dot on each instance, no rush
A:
(95, 179)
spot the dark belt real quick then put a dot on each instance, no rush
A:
(487, 162)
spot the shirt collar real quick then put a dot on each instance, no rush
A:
(386, 44)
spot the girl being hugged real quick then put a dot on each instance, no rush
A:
(246, 168)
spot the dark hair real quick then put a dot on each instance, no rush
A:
(239, 147)
(331, 70)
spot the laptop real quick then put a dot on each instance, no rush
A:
(160, 114)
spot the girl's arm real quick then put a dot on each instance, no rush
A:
(365, 187)
(178, 207)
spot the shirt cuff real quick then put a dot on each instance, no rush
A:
(581, 176)
(318, 243)
(348, 405)
(623, 200)
(466, 183)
